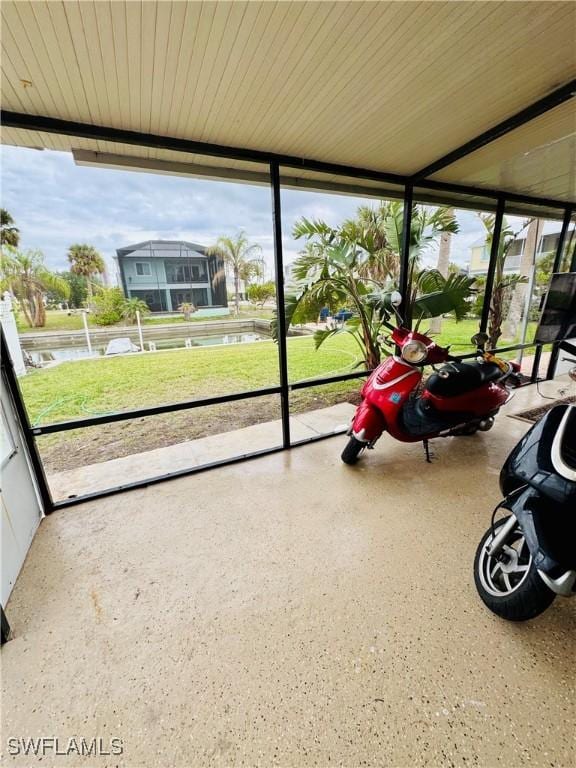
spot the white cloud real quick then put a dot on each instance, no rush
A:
(56, 203)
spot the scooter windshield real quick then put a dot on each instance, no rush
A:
(535, 459)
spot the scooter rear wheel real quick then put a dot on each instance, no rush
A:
(510, 587)
(353, 449)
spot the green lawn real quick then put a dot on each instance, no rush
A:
(80, 388)
(103, 385)
(246, 313)
(84, 387)
(56, 320)
(459, 335)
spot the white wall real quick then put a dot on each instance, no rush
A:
(11, 333)
(21, 507)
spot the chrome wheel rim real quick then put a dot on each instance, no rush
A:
(504, 575)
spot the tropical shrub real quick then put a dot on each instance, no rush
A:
(187, 308)
(108, 305)
(130, 308)
(259, 294)
(78, 289)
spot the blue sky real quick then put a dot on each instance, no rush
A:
(56, 203)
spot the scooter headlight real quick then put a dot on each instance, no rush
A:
(414, 352)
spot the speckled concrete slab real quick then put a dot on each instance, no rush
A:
(289, 611)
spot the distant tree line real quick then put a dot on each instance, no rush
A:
(25, 275)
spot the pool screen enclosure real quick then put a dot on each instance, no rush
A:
(417, 187)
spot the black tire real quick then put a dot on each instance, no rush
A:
(352, 451)
(512, 590)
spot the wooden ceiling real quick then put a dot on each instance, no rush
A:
(388, 86)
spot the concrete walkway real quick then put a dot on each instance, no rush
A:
(194, 453)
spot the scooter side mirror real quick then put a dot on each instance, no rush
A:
(480, 340)
(390, 300)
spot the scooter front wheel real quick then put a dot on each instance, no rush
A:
(353, 449)
(509, 584)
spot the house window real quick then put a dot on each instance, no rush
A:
(200, 297)
(143, 268)
(186, 271)
(196, 296)
(155, 299)
(548, 243)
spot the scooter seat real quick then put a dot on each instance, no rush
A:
(419, 417)
(457, 378)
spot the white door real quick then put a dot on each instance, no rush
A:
(21, 509)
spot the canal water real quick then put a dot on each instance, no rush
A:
(78, 351)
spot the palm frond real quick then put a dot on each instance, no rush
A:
(451, 297)
(48, 281)
(430, 280)
(393, 225)
(321, 335)
(310, 228)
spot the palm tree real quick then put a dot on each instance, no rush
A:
(86, 261)
(130, 308)
(187, 308)
(503, 284)
(9, 233)
(370, 229)
(379, 232)
(26, 276)
(343, 267)
(427, 224)
(527, 268)
(443, 266)
(240, 258)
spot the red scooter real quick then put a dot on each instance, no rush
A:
(458, 399)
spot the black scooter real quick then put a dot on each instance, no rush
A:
(527, 558)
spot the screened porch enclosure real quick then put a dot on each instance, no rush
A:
(507, 155)
(209, 583)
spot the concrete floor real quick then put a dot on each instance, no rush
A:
(290, 611)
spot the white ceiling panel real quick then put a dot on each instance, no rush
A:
(388, 86)
(539, 158)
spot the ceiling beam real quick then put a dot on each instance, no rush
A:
(88, 157)
(540, 107)
(100, 133)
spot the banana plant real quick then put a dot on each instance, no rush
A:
(336, 269)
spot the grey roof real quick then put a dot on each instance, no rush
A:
(162, 249)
